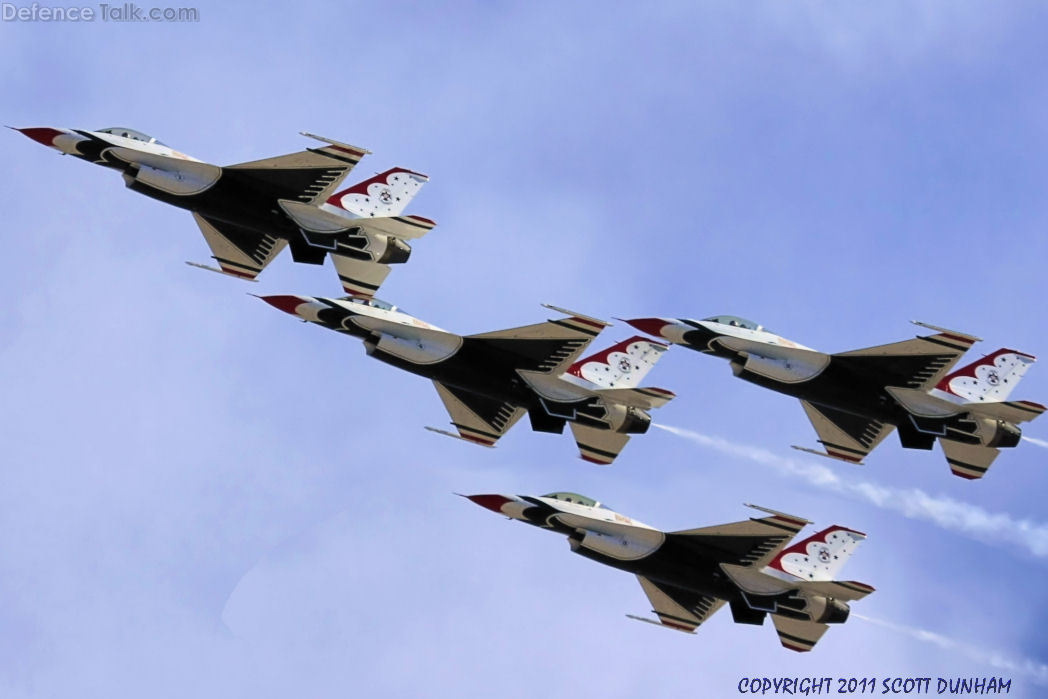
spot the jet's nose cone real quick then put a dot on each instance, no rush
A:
(288, 304)
(492, 502)
(652, 326)
(44, 135)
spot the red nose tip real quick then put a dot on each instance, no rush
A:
(44, 134)
(288, 304)
(652, 326)
(492, 502)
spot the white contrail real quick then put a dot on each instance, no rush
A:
(1034, 440)
(914, 503)
(1034, 669)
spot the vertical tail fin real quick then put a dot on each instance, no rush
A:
(820, 556)
(991, 378)
(385, 194)
(623, 365)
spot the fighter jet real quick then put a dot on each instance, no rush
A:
(689, 575)
(855, 399)
(489, 381)
(249, 212)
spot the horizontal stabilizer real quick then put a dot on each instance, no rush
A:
(798, 635)
(922, 404)
(645, 398)
(970, 461)
(598, 446)
(360, 278)
(313, 219)
(404, 227)
(752, 581)
(845, 590)
(1012, 411)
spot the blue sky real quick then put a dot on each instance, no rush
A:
(201, 496)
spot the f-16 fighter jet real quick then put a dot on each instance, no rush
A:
(854, 399)
(689, 575)
(489, 381)
(249, 212)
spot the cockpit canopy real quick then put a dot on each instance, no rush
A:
(736, 322)
(573, 497)
(129, 133)
(374, 303)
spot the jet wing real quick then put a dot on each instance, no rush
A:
(309, 176)
(240, 252)
(845, 436)
(678, 609)
(598, 446)
(752, 543)
(796, 634)
(478, 419)
(547, 348)
(918, 363)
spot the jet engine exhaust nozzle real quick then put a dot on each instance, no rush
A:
(396, 252)
(827, 610)
(637, 421)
